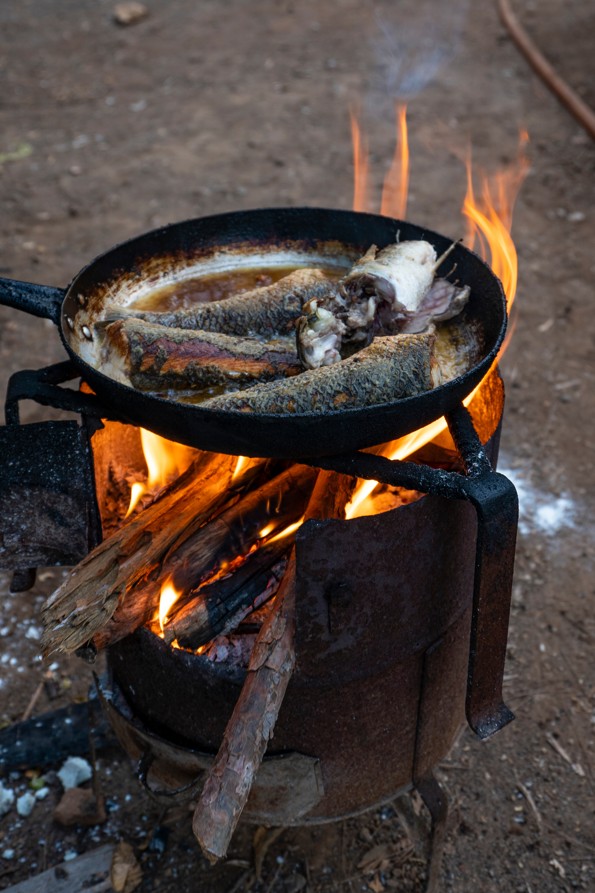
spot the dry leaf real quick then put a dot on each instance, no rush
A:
(376, 885)
(375, 858)
(125, 873)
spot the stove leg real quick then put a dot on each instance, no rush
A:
(436, 801)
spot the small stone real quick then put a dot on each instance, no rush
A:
(130, 13)
(576, 217)
(74, 772)
(25, 804)
(6, 799)
(8, 854)
(78, 806)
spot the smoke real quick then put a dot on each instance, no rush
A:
(412, 42)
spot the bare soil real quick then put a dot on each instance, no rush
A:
(108, 131)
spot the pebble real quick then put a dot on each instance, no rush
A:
(74, 772)
(130, 13)
(25, 804)
(6, 799)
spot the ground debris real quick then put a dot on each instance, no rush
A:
(130, 13)
(125, 873)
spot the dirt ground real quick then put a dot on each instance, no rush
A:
(108, 131)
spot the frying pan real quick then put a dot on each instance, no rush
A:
(280, 237)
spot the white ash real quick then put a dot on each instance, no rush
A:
(540, 512)
(7, 854)
(6, 799)
(34, 632)
(74, 772)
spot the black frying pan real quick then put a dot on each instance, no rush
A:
(278, 236)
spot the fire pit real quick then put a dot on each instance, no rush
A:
(400, 617)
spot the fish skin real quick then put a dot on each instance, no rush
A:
(157, 358)
(459, 346)
(269, 310)
(389, 369)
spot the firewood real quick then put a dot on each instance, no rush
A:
(200, 551)
(219, 607)
(252, 722)
(277, 503)
(88, 598)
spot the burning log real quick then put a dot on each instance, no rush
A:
(267, 311)
(155, 358)
(389, 369)
(220, 606)
(199, 552)
(83, 605)
(252, 722)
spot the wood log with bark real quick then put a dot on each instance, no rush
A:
(89, 597)
(200, 551)
(220, 606)
(252, 722)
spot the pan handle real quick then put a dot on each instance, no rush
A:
(38, 300)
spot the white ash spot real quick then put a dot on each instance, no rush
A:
(539, 511)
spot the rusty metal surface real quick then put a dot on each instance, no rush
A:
(46, 495)
(353, 700)
(286, 787)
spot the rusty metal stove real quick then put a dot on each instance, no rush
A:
(401, 627)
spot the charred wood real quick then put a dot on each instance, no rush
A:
(197, 552)
(87, 600)
(252, 722)
(219, 607)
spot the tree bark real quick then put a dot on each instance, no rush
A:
(198, 552)
(87, 600)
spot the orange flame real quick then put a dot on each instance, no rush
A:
(396, 183)
(287, 531)
(490, 221)
(360, 166)
(167, 599)
(165, 460)
(490, 218)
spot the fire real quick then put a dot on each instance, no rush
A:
(360, 165)
(489, 220)
(287, 531)
(165, 460)
(490, 217)
(396, 183)
(167, 599)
